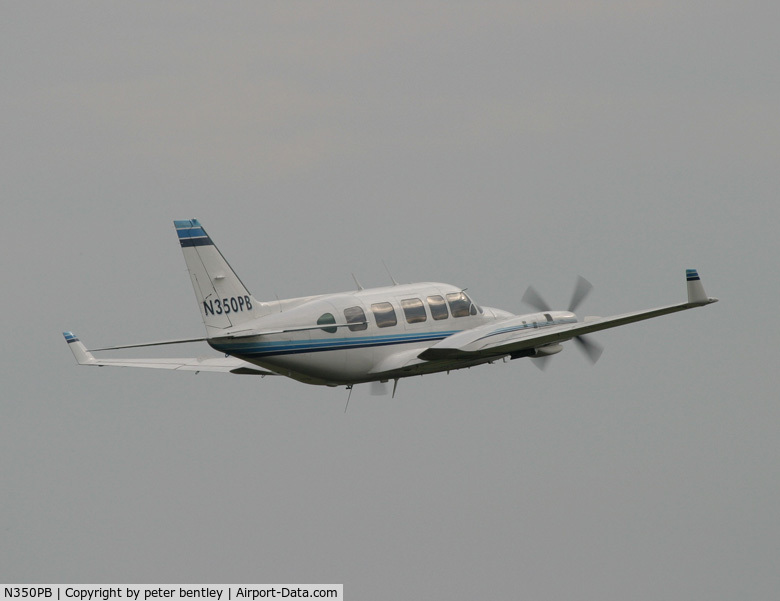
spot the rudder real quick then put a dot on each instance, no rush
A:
(223, 299)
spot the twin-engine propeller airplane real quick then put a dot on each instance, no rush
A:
(368, 335)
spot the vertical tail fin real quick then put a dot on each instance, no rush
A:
(223, 299)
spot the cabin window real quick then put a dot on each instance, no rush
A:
(384, 315)
(460, 304)
(327, 318)
(414, 310)
(438, 307)
(356, 319)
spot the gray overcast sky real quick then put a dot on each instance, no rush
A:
(491, 145)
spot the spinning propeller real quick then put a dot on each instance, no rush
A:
(582, 288)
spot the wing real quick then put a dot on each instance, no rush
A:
(513, 337)
(196, 364)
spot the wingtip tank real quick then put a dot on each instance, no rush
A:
(696, 295)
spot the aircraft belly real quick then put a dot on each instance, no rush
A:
(421, 368)
(345, 366)
(334, 366)
(310, 357)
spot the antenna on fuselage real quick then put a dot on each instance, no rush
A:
(390, 274)
(358, 284)
(349, 396)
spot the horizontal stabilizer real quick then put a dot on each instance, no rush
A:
(142, 344)
(196, 364)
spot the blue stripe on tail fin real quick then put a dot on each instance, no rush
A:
(223, 300)
(191, 233)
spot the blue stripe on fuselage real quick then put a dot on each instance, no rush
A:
(529, 326)
(257, 350)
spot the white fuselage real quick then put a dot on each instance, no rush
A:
(375, 333)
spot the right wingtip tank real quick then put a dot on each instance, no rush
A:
(696, 294)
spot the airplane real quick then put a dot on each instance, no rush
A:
(367, 335)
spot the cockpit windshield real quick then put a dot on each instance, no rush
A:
(461, 305)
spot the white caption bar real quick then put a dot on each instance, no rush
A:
(175, 592)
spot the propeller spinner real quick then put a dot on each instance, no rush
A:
(592, 350)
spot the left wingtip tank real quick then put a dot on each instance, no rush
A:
(80, 352)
